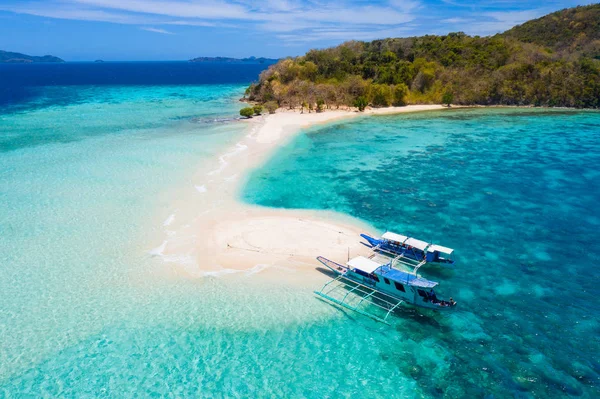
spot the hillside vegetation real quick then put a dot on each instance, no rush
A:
(542, 62)
(574, 30)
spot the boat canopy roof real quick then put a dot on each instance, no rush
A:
(418, 244)
(406, 278)
(413, 242)
(439, 248)
(394, 237)
(364, 264)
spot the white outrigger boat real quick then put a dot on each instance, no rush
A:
(383, 282)
(411, 248)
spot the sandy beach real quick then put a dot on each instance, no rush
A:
(213, 233)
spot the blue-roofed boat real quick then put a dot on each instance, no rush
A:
(364, 281)
(411, 248)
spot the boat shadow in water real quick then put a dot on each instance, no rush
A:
(351, 315)
(327, 272)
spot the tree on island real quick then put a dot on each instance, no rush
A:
(361, 103)
(271, 106)
(257, 109)
(447, 98)
(247, 112)
(382, 95)
(400, 93)
(320, 103)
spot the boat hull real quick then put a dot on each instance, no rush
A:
(410, 296)
(371, 240)
(333, 266)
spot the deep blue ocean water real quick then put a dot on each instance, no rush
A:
(516, 193)
(27, 85)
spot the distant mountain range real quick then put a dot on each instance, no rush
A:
(8, 57)
(249, 60)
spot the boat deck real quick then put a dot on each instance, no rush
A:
(406, 278)
(398, 261)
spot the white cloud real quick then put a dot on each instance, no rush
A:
(79, 14)
(490, 23)
(200, 23)
(456, 20)
(294, 20)
(338, 35)
(280, 5)
(222, 10)
(212, 9)
(156, 30)
(310, 18)
(512, 18)
(405, 5)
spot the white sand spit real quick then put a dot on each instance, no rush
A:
(231, 236)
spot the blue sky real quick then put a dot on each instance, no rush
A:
(79, 30)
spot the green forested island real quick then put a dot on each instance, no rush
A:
(10, 57)
(550, 61)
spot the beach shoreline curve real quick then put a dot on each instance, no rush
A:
(215, 233)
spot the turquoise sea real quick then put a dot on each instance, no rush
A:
(516, 193)
(87, 171)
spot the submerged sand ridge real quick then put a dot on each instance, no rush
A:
(213, 233)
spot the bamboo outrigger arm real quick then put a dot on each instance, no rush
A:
(366, 294)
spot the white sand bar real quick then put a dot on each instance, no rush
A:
(214, 233)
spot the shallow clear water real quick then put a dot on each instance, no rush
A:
(87, 178)
(516, 193)
(82, 187)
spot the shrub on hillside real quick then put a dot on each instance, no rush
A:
(247, 112)
(447, 98)
(361, 103)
